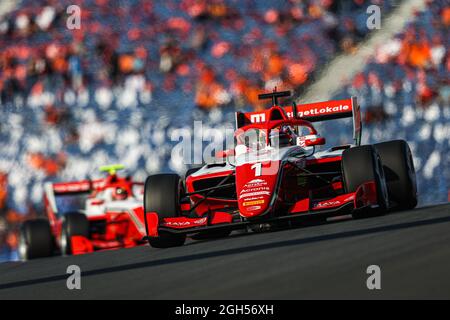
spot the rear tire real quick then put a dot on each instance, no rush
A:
(35, 239)
(362, 164)
(400, 174)
(74, 224)
(162, 194)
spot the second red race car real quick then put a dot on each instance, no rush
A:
(276, 176)
(86, 216)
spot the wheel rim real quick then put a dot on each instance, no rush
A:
(63, 243)
(411, 172)
(23, 249)
(383, 185)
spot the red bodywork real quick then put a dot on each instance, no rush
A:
(271, 188)
(113, 223)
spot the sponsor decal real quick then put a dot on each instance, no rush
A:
(257, 189)
(201, 221)
(259, 183)
(252, 203)
(185, 223)
(252, 198)
(255, 181)
(254, 194)
(317, 111)
(326, 204)
(254, 188)
(253, 208)
(321, 111)
(177, 223)
(72, 187)
(257, 118)
(301, 141)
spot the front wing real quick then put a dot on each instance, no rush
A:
(365, 198)
(113, 230)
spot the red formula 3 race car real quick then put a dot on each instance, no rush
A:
(85, 216)
(275, 177)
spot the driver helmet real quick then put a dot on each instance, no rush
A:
(120, 194)
(284, 136)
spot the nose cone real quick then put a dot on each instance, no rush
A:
(255, 185)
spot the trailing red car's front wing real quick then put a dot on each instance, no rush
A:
(120, 231)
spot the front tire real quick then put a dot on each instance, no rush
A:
(400, 174)
(162, 194)
(35, 239)
(363, 164)
(74, 224)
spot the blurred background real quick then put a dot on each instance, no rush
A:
(115, 90)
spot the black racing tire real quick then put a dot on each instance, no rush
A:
(400, 174)
(162, 194)
(36, 239)
(362, 164)
(74, 224)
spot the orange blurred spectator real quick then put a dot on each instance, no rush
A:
(251, 93)
(51, 115)
(419, 54)
(12, 239)
(220, 49)
(208, 96)
(36, 160)
(218, 10)
(13, 217)
(446, 16)
(275, 65)
(60, 64)
(126, 63)
(298, 74)
(51, 166)
(209, 93)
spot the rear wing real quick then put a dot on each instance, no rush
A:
(51, 190)
(313, 112)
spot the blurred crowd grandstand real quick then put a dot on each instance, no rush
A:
(136, 72)
(404, 92)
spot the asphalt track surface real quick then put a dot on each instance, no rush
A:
(330, 260)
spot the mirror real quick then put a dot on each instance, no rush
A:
(318, 141)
